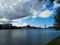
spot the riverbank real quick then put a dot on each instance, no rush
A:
(55, 41)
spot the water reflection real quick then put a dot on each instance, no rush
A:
(27, 37)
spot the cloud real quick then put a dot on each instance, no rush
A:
(14, 22)
(37, 5)
(56, 5)
(49, 9)
(4, 21)
(14, 9)
(17, 10)
(20, 24)
(21, 19)
(24, 24)
(34, 13)
(46, 13)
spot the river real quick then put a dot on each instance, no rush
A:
(27, 37)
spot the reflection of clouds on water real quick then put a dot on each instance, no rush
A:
(19, 33)
(27, 37)
(3, 37)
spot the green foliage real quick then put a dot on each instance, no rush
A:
(57, 19)
(55, 41)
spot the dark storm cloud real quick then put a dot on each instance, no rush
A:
(15, 9)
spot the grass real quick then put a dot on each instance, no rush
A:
(55, 41)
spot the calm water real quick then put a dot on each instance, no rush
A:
(27, 37)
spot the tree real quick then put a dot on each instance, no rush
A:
(52, 0)
(57, 19)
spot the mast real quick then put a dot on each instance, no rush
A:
(45, 26)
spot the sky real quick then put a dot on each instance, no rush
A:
(28, 12)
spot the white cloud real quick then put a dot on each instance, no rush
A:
(14, 22)
(56, 5)
(44, 6)
(20, 24)
(21, 19)
(34, 13)
(13, 9)
(4, 21)
(37, 11)
(46, 13)
(17, 10)
(24, 24)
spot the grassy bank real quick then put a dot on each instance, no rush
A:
(55, 41)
